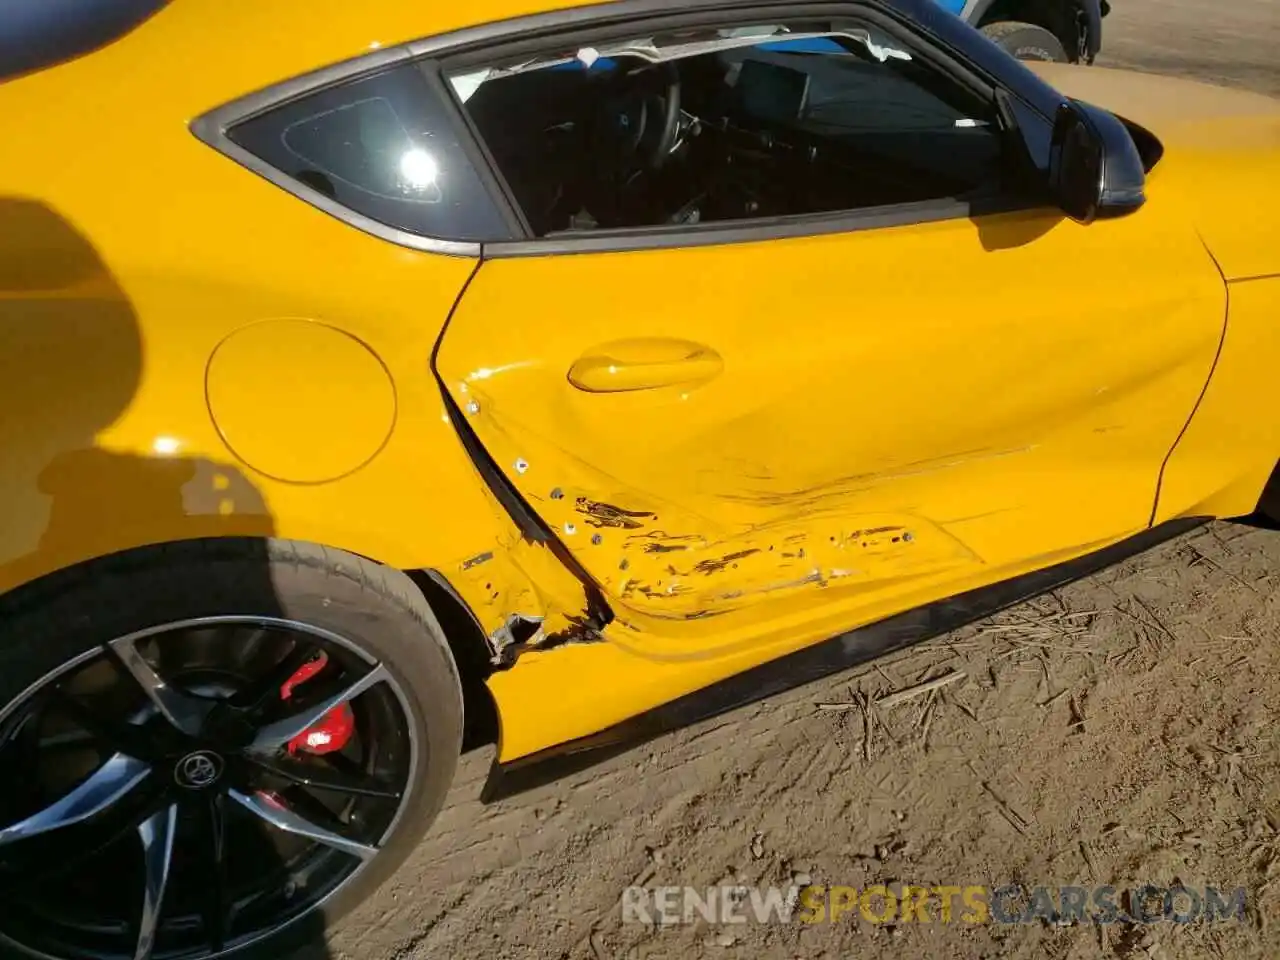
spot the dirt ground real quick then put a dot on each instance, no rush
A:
(1234, 42)
(1123, 730)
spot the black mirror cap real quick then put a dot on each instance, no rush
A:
(1096, 170)
(1149, 146)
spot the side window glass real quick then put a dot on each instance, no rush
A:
(748, 122)
(382, 146)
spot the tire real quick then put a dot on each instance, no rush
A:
(387, 629)
(1026, 41)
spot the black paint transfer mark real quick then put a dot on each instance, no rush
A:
(607, 515)
(581, 629)
(715, 566)
(656, 547)
(653, 593)
(478, 559)
(695, 615)
(667, 540)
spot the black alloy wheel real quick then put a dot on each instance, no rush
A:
(160, 779)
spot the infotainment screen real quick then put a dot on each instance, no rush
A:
(771, 92)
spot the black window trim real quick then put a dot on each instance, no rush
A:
(467, 44)
(477, 152)
(723, 233)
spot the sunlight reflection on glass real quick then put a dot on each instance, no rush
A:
(418, 169)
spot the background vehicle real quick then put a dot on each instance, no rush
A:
(1063, 30)
(363, 390)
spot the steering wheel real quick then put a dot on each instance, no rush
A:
(642, 120)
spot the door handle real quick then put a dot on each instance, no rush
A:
(644, 364)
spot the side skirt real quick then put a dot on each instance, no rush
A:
(812, 663)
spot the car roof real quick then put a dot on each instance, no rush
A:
(255, 43)
(192, 56)
(39, 33)
(199, 53)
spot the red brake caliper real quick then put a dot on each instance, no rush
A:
(332, 731)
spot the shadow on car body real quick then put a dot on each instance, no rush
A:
(71, 361)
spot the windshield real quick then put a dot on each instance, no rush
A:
(690, 44)
(39, 33)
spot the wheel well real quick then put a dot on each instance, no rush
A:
(471, 653)
(466, 640)
(1059, 17)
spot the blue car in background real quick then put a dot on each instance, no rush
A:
(1062, 30)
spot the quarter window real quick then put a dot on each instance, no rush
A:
(747, 122)
(383, 146)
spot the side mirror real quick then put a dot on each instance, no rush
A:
(1095, 170)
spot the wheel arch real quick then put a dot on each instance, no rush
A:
(471, 648)
(473, 652)
(1065, 19)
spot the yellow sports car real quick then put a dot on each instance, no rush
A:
(377, 373)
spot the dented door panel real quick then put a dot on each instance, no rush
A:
(887, 408)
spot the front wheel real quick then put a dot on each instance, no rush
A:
(214, 749)
(1026, 41)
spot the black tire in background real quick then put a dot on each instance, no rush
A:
(63, 619)
(1026, 41)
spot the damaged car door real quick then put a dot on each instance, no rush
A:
(910, 377)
